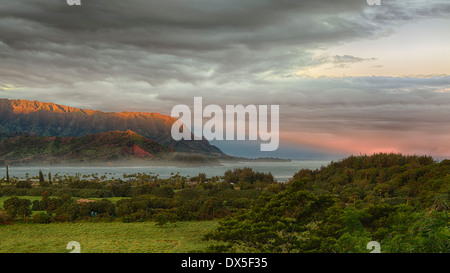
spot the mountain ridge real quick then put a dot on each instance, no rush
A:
(51, 119)
(112, 147)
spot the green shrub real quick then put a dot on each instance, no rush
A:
(161, 219)
(41, 218)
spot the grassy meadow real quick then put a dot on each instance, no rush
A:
(114, 237)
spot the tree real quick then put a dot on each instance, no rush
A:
(161, 219)
(102, 208)
(7, 174)
(15, 206)
(68, 212)
(124, 207)
(36, 205)
(201, 178)
(23, 185)
(277, 223)
(41, 177)
(41, 218)
(166, 191)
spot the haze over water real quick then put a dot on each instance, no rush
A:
(281, 171)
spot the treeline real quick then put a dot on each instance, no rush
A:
(93, 186)
(141, 198)
(387, 178)
(399, 201)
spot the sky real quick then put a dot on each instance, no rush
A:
(350, 78)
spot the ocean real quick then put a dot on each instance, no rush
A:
(281, 171)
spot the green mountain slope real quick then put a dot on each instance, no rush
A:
(112, 147)
(49, 119)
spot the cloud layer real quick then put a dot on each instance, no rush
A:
(141, 55)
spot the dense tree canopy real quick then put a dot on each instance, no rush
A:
(399, 201)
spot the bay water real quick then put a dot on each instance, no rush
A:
(282, 171)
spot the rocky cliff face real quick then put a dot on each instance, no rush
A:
(49, 119)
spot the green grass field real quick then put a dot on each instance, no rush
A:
(112, 237)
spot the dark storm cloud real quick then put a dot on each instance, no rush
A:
(157, 40)
(48, 42)
(145, 55)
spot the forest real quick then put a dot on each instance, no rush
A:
(399, 201)
(137, 197)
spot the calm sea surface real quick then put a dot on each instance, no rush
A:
(282, 171)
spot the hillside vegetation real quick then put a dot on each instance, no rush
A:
(399, 201)
(103, 147)
(113, 148)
